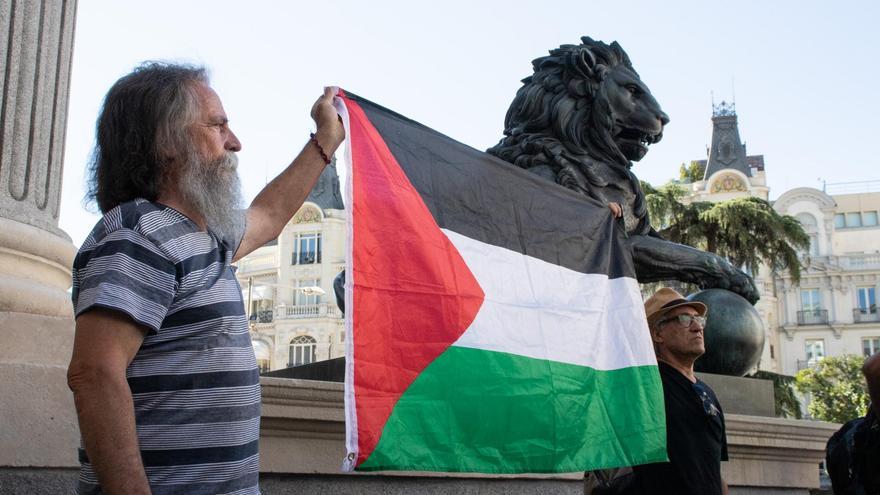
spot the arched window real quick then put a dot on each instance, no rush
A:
(806, 219)
(263, 355)
(302, 351)
(811, 228)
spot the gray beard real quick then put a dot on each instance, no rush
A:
(213, 188)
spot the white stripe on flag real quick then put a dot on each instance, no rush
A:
(544, 311)
(351, 424)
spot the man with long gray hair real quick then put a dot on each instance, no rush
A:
(163, 373)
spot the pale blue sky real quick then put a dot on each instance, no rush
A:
(804, 72)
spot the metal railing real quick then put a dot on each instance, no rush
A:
(803, 364)
(261, 316)
(812, 317)
(857, 187)
(865, 315)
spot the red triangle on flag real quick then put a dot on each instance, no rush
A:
(413, 293)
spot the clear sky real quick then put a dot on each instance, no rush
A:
(803, 72)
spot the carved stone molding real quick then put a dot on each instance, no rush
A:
(789, 332)
(307, 214)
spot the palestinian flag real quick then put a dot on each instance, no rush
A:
(493, 323)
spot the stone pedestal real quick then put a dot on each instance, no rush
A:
(36, 321)
(302, 444)
(741, 395)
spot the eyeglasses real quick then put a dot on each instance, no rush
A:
(685, 320)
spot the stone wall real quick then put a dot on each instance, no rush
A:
(303, 434)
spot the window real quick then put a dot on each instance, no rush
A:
(870, 346)
(867, 302)
(814, 245)
(808, 222)
(307, 249)
(263, 355)
(806, 219)
(302, 351)
(302, 299)
(856, 219)
(814, 350)
(262, 299)
(810, 300)
(853, 220)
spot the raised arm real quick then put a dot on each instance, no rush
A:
(282, 197)
(105, 343)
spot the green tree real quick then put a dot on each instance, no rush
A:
(838, 391)
(746, 231)
(692, 173)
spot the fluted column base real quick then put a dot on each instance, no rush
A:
(36, 330)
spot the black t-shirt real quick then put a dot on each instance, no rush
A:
(695, 440)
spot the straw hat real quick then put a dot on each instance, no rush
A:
(665, 300)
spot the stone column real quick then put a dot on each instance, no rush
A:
(37, 418)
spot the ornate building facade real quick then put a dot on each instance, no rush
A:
(832, 310)
(729, 172)
(290, 323)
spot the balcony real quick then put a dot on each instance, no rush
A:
(860, 261)
(323, 310)
(262, 316)
(812, 317)
(803, 364)
(865, 315)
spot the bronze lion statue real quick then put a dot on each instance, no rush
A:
(581, 120)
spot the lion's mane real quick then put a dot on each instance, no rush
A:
(560, 121)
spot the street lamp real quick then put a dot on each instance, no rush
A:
(309, 290)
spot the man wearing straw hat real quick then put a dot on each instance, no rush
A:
(696, 440)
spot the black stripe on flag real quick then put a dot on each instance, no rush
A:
(485, 198)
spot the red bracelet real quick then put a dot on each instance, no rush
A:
(314, 139)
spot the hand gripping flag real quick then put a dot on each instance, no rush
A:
(493, 323)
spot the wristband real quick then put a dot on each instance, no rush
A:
(314, 139)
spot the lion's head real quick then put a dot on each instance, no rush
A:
(584, 104)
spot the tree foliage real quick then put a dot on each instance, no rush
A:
(693, 172)
(747, 231)
(838, 391)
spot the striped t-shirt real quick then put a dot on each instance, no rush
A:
(194, 381)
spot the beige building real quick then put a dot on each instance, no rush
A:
(833, 310)
(290, 323)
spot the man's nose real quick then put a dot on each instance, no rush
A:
(232, 142)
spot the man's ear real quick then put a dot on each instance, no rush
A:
(655, 335)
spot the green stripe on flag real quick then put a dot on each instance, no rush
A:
(473, 410)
